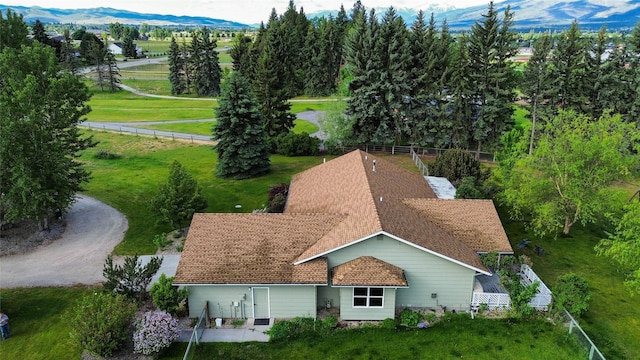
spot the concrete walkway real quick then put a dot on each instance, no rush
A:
(247, 333)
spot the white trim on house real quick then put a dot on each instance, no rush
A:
(253, 301)
(368, 297)
(402, 241)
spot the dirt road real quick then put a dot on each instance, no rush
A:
(77, 257)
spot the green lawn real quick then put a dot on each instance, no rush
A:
(204, 128)
(123, 106)
(458, 337)
(39, 328)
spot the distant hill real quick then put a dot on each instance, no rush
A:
(528, 14)
(102, 15)
(536, 14)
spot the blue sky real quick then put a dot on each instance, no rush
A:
(244, 11)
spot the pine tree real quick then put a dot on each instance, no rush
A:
(112, 72)
(39, 33)
(207, 70)
(176, 65)
(242, 147)
(463, 109)
(567, 90)
(13, 30)
(179, 198)
(68, 58)
(595, 70)
(240, 54)
(537, 79)
(492, 44)
(129, 48)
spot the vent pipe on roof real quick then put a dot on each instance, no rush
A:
(380, 198)
(324, 160)
(366, 158)
(374, 166)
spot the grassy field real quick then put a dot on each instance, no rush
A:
(123, 106)
(39, 328)
(204, 128)
(457, 337)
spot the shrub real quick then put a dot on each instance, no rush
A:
(455, 165)
(468, 189)
(107, 155)
(130, 279)
(299, 328)
(389, 324)
(571, 292)
(161, 240)
(292, 144)
(277, 198)
(490, 259)
(410, 318)
(100, 322)
(166, 296)
(155, 332)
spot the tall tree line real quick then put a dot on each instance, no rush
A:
(195, 67)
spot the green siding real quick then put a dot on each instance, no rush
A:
(426, 273)
(348, 312)
(284, 301)
(328, 293)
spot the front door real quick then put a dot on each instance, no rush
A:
(261, 303)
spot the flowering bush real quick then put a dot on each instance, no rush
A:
(154, 332)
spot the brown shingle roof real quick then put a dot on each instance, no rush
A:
(374, 203)
(330, 206)
(474, 221)
(367, 271)
(253, 249)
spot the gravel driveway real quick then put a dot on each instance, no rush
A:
(77, 257)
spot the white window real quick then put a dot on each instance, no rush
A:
(368, 297)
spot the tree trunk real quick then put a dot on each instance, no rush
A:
(478, 150)
(567, 225)
(534, 116)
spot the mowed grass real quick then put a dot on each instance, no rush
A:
(123, 106)
(39, 327)
(454, 338)
(129, 183)
(613, 319)
(205, 128)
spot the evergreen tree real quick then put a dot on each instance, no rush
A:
(240, 54)
(41, 107)
(567, 90)
(39, 33)
(13, 30)
(206, 66)
(98, 53)
(634, 72)
(594, 59)
(242, 147)
(179, 198)
(68, 58)
(463, 110)
(176, 65)
(129, 48)
(187, 67)
(112, 72)
(537, 79)
(492, 44)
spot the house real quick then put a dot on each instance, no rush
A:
(116, 48)
(358, 233)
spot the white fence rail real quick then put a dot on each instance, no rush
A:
(499, 300)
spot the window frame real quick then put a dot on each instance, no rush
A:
(367, 297)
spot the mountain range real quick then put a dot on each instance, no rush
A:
(528, 14)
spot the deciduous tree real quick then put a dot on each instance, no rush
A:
(566, 180)
(41, 107)
(623, 245)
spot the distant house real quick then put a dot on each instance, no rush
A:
(116, 49)
(358, 233)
